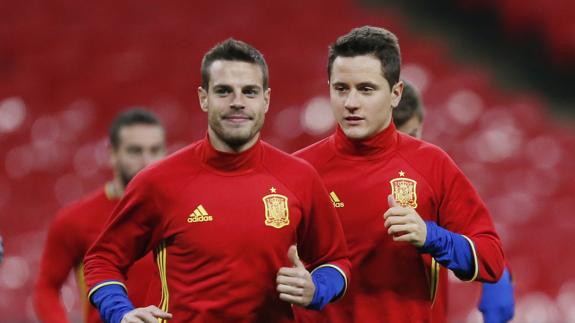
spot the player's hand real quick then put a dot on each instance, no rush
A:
(149, 314)
(497, 301)
(404, 224)
(294, 284)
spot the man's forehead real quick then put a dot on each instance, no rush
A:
(235, 73)
(357, 67)
(141, 132)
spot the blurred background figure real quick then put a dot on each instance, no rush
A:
(496, 78)
(1, 249)
(136, 139)
(408, 114)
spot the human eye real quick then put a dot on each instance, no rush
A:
(366, 89)
(222, 90)
(340, 88)
(134, 150)
(251, 92)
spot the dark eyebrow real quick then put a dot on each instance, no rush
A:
(221, 86)
(339, 84)
(251, 87)
(370, 84)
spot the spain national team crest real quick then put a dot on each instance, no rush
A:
(403, 190)
(277, 211)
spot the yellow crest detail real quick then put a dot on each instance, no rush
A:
(404, 191)
(277, 211)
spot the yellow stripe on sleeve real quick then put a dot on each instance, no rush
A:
(108, 283)
(476, 262)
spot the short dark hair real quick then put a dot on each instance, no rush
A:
(409, 106)
(129, 118)
(368, 40)
(233, 50)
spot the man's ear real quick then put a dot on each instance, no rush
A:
(267, 97)
(203, 98)
(396, 92)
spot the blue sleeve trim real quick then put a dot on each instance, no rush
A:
(112, 302)
(452, 250)
(329, 283)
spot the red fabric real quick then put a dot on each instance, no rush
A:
(223, 268)
(74, 229)
(391, 280)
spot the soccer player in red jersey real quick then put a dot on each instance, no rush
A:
(224, 216)
(497, 303)
(405, 207)
(136, 140)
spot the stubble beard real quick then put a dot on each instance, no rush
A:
(235, 138)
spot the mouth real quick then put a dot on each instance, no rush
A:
(353, 120)
(236, 118)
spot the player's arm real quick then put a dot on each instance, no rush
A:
(322, 245)
(462, 213)
(497, 303)
(465, 241)
(59, 257)
(450, 249)
(132, 230)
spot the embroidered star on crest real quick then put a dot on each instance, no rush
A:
(273, 189)
(401, 173)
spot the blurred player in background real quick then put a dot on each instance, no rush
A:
(1, 249)
(404, 205)
(137, 139)
(497, 303)
(223, 216)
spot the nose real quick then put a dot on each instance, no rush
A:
(352, 101)
(237, 101)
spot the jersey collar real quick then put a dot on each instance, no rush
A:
(377, 146)
(230, 163)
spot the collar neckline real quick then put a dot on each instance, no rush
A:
(374, 147)
(230, 163)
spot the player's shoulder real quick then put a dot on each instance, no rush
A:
(418, 149)
(280, 161)
(177, 164)
(317, 153)
(287, 167)
(78, 209)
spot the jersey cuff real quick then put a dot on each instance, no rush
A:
(106, 283)
(475, 262)
(342, 273)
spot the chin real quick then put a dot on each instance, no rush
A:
(355, 134)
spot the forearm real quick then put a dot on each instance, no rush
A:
(48, 304)
(111, 300)
(452, 250)
(330, 284)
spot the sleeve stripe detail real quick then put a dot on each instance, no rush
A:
(342, 274)
(161, 262)
(106, 283)
(435, 268)
(476, 262)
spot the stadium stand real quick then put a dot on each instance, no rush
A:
(66, 67)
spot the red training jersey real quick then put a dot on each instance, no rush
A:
(221, 225)
(392, 281)
(70, 235)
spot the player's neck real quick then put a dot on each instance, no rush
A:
(115, 188)
(220, 145)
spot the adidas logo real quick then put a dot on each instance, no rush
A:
(200, 215)
(335, 200)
